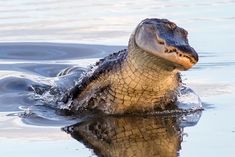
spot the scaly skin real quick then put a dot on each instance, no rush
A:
(129, 136)
(138, 82)
(143, 78)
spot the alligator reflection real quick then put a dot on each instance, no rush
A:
(130, 136)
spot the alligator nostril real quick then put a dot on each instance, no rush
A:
(180, 55)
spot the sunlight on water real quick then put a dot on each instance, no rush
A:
(30, 124)
(106, 22)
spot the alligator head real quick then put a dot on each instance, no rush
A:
(166, 40)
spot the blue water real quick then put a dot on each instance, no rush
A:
(39, 39)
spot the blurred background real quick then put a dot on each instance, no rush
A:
(66, 23)
(109, 22)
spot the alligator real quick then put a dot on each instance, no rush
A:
(144, 77)
(130, 136)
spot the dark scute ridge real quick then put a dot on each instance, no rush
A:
(103, 66)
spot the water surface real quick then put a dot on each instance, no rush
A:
(54, 31)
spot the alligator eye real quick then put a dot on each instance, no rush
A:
(160, 42)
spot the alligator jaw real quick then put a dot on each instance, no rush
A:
(183, 56)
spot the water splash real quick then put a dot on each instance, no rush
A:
(48, 100)
(188, 99)
(190, 102)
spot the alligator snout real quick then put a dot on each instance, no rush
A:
(188, 51)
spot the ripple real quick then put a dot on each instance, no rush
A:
(52, 51)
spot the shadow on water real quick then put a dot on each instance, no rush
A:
(132, 136)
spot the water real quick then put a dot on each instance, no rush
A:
(47, 35)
